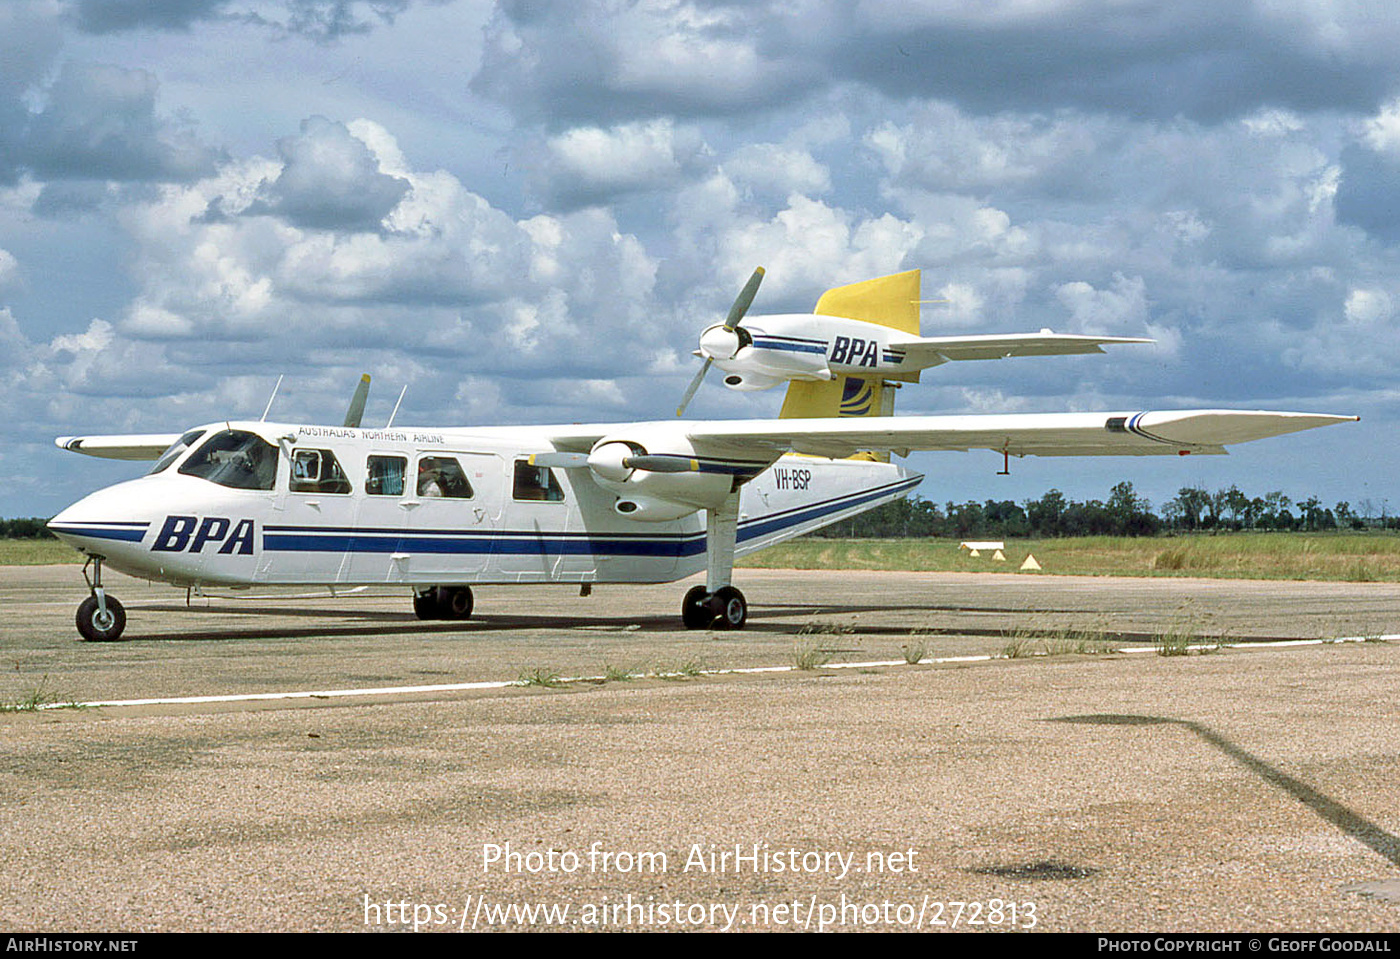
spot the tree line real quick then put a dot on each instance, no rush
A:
(29, 528)
(1123, 513)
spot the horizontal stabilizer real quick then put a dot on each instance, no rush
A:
(932, 350)
(131, 446)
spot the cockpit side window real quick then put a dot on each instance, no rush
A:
(317, 471)
(173, 451)
(235, 458)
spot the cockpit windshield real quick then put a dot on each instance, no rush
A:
(173, 451)
(235, 458)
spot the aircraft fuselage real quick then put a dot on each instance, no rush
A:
(338, 506)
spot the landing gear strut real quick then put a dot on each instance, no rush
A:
(101, 619)
(717, 604)
(443, 602)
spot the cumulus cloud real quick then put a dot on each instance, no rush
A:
(100, 123)
(591, 165)
(106, 16)
(446, 275)
(777, 169)
(598, 61)
(321, 20)
(1194, 58)
(329, 180)
(9, 269)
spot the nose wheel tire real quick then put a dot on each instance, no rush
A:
(97, 626)
(725, 608)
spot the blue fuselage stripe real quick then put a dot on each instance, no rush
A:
(132, 533)
(790, 346)
(296, 539)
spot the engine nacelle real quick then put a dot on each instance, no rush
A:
(752, 381)
(669, 481)
(650, 510)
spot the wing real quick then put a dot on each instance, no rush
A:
(933, 350)
(132, 446)
(1175, 432)
(1035, 434)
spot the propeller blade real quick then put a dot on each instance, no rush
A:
(745, 300)
(662, 464)
(694, 385)
(356, 412)
(568, 461)
(736, 313)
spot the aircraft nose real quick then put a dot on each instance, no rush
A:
(96, 518)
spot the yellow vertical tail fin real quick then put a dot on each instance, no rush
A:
(891, 301)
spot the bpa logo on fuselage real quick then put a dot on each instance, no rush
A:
(190, 532)
(854, 351)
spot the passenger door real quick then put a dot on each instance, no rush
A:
(454, 505)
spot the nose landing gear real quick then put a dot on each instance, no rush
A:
(101, 619)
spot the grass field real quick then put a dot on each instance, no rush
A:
(36, 552)
(1350, 557)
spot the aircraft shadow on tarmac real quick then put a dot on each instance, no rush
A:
(1353, 824)
(773, 619)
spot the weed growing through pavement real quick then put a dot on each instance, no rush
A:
(811, 655)
(618, 674)
(686, 669)
(539, 676)
(42, 696)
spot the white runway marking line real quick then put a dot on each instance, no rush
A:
(737, 671)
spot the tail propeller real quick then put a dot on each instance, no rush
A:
(356, 412)
(731, 325)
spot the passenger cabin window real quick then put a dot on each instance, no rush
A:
(536, 483)
(173, 451)
(317, 471)
(442, 476)
(384, 475)
(235, 458)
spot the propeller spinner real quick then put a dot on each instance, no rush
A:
(724, 340)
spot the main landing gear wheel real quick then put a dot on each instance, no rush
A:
(443, 602)
(98, 626)
(726, 608)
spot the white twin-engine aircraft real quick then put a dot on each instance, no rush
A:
(441, 510)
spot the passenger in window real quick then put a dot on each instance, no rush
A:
(428, 484)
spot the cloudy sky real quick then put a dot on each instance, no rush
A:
(526, 211)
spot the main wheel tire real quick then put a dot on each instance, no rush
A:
(730, 609)
(97, 627)
(695, 609)
(454, 602)
(425, 604)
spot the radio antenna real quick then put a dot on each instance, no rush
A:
(268, 409)
(396, 407)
